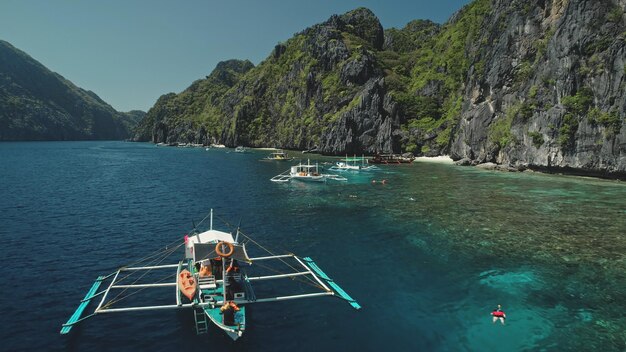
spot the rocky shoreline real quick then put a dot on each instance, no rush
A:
(567, 171)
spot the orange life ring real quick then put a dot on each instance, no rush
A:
(218, 249)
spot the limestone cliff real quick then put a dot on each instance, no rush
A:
(546, 88)
(536, 84)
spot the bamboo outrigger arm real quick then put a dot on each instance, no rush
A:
(329, 287)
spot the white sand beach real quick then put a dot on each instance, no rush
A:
(442, 159)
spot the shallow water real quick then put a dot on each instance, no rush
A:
(428, 254)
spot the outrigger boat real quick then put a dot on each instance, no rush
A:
(306, 172)
(278, 155)
(392, 159)
(353, 164)
(212, 280)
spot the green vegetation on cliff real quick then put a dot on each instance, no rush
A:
(194, 113)
(427, 75)
(37, 104)
(488, 85)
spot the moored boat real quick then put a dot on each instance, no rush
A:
(306, 172)
(214, 280)
(392, 159)
(353, 164)
(278, 155)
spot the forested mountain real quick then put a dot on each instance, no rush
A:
(536, 84)
(37, 104)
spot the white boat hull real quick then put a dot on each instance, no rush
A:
(309, 178)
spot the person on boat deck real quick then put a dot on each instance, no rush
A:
(498, 314)
(216, 264)
(205, 271)
(232, 287)
(233, 267)
(228, 311)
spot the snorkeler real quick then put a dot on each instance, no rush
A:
(498, 313)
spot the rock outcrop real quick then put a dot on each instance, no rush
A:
(551, 91)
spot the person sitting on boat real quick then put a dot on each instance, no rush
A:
(232, 287)
(228, 310)
(498, 314)
(233, 267)
(230, 305)
(216, 264)
(205, 271)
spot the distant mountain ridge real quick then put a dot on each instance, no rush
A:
(534, 84)
(37, 104)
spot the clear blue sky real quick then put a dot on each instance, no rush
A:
(130, 52)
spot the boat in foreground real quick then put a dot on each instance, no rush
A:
(306, 172)
(215, 280)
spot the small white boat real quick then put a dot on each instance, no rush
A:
(214, 279)
(306, 172)
(240, 149)
(353, 164)
(278, 155)
(218, 146)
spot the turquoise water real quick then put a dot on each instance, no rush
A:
(428, 254)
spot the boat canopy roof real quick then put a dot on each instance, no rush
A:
(205, 251)
(212, 236)
(202, 246)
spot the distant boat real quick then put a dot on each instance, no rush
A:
(392, 159)
(278, 155)
(353, 164)
(312, 150)
(213, 278)
(240, 149)
(218, 146)
(307, 173)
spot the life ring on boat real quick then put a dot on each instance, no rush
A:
(218, 249)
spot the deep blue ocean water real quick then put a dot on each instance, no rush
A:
(428, 254)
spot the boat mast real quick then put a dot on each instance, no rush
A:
(211, 226)
(224, 275)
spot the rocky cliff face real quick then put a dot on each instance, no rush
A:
(536, 84)
(547, 88)
(37, 104)
(193, 115)
(324, 87)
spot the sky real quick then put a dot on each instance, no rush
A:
(130, 52)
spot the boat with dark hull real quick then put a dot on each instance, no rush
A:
(392, 159)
